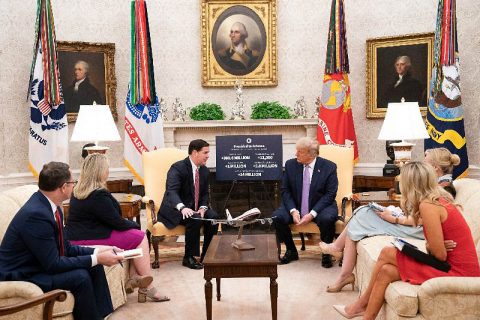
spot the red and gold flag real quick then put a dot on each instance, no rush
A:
(335, 123)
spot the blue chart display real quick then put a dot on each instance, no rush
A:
(249, 157)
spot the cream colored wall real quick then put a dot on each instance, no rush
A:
(175, 30)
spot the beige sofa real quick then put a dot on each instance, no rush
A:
(12, 292)
(439, 298)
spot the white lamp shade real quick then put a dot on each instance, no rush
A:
(95, 123)
(403, 121)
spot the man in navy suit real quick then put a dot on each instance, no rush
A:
(186, 195)
(33, 249)
(309, 188)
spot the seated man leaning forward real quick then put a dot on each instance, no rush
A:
(186, 197)
(309, 188)
(35, 250)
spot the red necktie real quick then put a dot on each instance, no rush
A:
(197, 188)
(58, 219)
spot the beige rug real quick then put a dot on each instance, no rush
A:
(301, 292)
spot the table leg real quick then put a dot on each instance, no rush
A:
(208, 297)
(274, 296)
(218, 289)
(138, 220)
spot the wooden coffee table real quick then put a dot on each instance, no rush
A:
(224, 261)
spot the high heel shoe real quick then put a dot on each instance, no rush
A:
(349, 280)
(137, 282)
(341, 309)
(327, 248)
(143, 294)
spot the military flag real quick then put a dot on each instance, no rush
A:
(445, 113)
(143, 120)
(48, 133)
(335, 123)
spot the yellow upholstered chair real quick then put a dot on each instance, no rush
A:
(343, 158)
(155, 168)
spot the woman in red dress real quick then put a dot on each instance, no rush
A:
(424, 199)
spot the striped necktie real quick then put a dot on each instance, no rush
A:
(58, 220)
(197, 188)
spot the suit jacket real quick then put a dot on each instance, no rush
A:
(180, 189)
(323, 186)
(95, 217)
(29, 249)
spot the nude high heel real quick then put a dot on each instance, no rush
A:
(327, 248)
(349, 280)
(144, 293)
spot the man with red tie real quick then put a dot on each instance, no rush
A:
(35, 250)
(186, 195)
(309, 188)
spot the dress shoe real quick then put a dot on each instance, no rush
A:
(192, 263)
(328, 248)
(327, 261)
(349, 280)
(341, 309)
(289, 256)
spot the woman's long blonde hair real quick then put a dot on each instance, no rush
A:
(418, 182)
(93, 175)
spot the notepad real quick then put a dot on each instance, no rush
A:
(420, 256)
(131, 254)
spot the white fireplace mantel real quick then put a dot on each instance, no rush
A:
(179, 134)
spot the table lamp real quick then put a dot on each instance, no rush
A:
(95, 123)
(403, 121)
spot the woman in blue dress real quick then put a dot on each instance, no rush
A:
(367, 222)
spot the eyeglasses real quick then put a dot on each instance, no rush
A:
(72, 182)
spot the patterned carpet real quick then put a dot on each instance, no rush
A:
(301, 292)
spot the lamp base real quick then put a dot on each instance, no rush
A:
(390, 170)
(403, 152)
(97, 149)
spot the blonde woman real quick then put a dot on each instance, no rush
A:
(95, 219)
(423, 199)
(367, 222)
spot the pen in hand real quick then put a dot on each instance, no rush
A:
(115, 252)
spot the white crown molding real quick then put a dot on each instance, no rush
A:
(18, 179)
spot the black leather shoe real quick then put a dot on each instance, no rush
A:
(289, 256)
(191, 263)
(327, 261)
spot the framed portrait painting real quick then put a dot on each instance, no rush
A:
(398, 69)
(239, 42)
(87, 75)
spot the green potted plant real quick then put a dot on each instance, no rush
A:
(270, 110)
(207, 111)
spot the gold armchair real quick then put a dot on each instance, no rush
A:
(155, 168)
(343, 158)
(29, 305)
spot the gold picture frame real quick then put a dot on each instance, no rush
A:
(255, 61)
(383, 84)
(100, 82)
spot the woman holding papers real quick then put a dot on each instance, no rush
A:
(368, 222)
(95, 219)
(423, 199)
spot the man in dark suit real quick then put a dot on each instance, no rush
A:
(309, 188)
(34, 249)
(186, 196)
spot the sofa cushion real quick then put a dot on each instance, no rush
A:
(402, 297)
(8, 209)
(468, 195)
(21, 194)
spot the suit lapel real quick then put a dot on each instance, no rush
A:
(315, 177)
(299, 181)
(190, 177)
